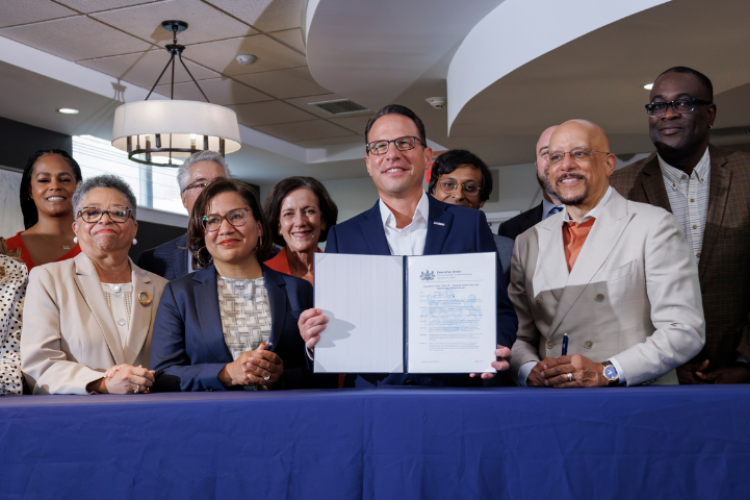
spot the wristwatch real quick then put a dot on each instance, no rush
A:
(610, 373)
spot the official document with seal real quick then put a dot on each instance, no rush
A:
(398, 314)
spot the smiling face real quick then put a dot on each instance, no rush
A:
(674, 132)
(583, 181)
(464, 174)
(542, 155)
(53, 183)
(229, 244)
(104, 236)
(200, 171)
(397, 174)
(300, 221)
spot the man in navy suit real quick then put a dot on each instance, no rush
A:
(550, 204)
(172, 260)
(406, 221)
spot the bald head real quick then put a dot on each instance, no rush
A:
(580, 165)
(542, 153)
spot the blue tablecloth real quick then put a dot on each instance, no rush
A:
(642, 443)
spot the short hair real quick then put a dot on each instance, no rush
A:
(14, 254)
(703, 79)
(28, 207)
(103, 181)
(397, 109)
(196, 237)
(451, 160)
(272, 207)
(182, 173)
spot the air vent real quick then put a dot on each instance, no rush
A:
(339, 106)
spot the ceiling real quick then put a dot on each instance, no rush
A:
(598, 76)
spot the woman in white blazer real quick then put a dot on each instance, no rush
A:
(87, 321)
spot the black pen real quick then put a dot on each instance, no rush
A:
(565, 344)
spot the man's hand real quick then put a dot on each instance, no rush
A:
(535, 378)
(585, 373)
(501, 364)
(687, 373)
(311, 322)
(737, 374)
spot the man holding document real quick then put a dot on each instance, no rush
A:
(611, 281)
(445, 304)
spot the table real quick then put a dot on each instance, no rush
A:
(642, 442)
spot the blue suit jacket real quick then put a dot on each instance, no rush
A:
(188, 349)
(168, 260)
(451, 229)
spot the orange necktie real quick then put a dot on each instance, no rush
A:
(574, 236)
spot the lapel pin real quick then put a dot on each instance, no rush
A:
(144, 298)
(438, 223)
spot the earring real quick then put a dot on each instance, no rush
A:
(75, 240)
(135, 242)
(260, 243)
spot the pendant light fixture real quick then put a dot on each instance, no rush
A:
(156, 132)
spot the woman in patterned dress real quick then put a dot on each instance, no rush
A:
(13, 279)
(233, 323)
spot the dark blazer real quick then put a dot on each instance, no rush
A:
(505, 254)
(451, 229)
(168, 260)
(724, 266)
(511, 228)
(188, 349)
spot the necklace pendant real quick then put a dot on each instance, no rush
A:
(66, 248)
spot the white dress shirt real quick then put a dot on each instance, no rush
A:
(523, 372)
(409, 240)
(119, 298)
(688, 197)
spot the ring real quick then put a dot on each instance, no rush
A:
(267, 377)
(570, 377)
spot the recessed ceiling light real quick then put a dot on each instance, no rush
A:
(68, 111)
(648, 86)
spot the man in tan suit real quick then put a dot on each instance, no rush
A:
(616, 276)
(706, 188)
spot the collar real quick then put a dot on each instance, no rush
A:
(594, 212)
(675, 175)
(547, 206)
(422, 212)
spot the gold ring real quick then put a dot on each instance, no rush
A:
(144, 298)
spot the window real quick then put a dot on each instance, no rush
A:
(154, 187)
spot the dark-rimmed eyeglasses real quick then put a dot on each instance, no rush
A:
(95, 214)
(577, 155)
(470, 189)
(405, 143)
(200, 183)
(685, 105)
(236, 217)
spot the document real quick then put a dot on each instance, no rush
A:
(398, 314)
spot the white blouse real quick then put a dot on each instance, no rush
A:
(13, 280)
(119, 298)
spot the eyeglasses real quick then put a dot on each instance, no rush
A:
(686, 105)
(469, 188)
(94, 214)
(237, 217)
(577, 155)
(406, 143)
(200, 183)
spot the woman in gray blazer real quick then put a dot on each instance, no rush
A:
(87, 321)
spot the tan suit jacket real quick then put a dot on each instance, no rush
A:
(69, 336)
(632, 294)
(724, 266)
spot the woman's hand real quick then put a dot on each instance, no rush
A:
(311, 323)
(126, 379)
(253, 367)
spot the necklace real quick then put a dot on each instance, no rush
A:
(64, 247)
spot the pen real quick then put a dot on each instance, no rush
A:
(268, 347)
(565, 344)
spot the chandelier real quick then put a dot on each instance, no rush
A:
(156, 132)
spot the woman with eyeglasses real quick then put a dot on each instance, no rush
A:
(47, 186)
(232, 324)
(87, 321)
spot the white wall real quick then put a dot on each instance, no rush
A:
(11, 218)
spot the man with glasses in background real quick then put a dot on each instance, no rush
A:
(172, 260)
(706, 188)
(615, 300)
(460, 177)
(406, 221)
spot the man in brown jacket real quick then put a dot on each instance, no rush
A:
(708, 190)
